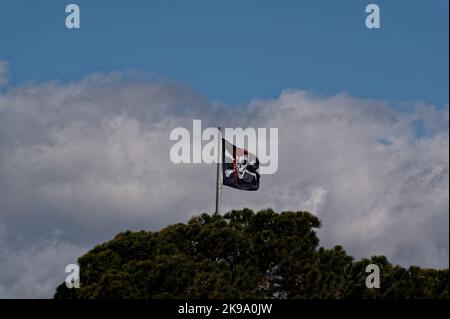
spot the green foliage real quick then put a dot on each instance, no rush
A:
(241, 255)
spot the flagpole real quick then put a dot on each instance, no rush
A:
(219, 155)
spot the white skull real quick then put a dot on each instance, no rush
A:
(241, 163)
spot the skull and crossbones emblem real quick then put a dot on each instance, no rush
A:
(241, 165)
(242, 162)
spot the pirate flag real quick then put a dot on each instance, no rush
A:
(239, 167)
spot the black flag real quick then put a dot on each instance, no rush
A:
(239, 167)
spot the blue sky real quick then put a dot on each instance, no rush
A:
(237, 50)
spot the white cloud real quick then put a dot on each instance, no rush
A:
(88, 159)
(316, 201)
(33, 271)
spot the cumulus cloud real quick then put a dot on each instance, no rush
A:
(84, 160)
(33, 270)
